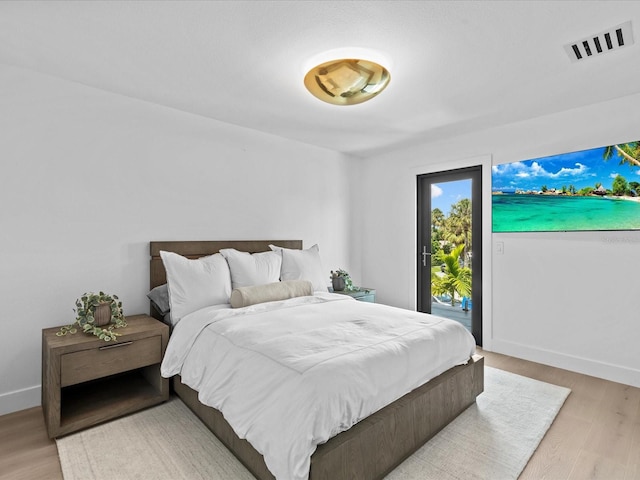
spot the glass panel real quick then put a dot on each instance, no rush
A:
(451, 250)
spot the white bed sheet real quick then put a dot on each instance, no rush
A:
(290, 375)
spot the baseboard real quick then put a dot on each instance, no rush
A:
(586, 366)
(20, 399)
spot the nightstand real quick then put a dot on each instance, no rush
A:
(86, 381)
(363, 294)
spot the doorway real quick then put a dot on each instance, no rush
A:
(450, 246)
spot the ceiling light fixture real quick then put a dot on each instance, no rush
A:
(346, 81)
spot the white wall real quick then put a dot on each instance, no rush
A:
(564, 299)
(88, 178)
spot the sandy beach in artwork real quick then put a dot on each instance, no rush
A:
(633, 199)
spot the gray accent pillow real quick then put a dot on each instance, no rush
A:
(159, 297)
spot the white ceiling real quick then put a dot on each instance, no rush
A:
(455, 66)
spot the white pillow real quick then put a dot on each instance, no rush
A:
(252, 269)
(195, 284)
(303, 265)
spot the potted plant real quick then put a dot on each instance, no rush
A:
(93, 312)
(341, 280)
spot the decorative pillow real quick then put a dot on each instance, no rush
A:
(303, 265)
(252, 269)
(271, 292)
(159, 297)
(195, 284)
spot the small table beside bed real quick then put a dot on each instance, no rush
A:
(383, 383)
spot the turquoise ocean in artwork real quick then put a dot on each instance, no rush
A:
(545, 213)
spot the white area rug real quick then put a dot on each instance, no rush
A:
(493, 440)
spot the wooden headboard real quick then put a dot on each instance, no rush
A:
(197, 249)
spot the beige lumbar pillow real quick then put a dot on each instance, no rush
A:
(271, 292)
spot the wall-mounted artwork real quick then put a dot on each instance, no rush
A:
(597, 189)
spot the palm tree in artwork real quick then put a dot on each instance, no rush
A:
(629, 153)
(456, 278)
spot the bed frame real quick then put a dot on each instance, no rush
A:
(374, 446)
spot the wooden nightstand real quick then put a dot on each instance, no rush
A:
(86, 381)
(363, 294)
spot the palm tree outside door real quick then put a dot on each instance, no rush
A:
(450, 246)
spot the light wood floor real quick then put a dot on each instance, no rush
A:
(595, 436)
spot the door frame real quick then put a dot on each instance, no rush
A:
(423, 267)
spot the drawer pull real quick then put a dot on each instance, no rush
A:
(115, 345)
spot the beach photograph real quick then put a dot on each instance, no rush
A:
(596, 189)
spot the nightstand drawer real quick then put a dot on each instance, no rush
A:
(109, 359)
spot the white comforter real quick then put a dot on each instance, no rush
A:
(289, 375)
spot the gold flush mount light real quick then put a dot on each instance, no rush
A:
(347, 81)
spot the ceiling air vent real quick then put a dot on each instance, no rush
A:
(612, 39)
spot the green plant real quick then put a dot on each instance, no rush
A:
(85, 316)
(456, 279)
(348, 283)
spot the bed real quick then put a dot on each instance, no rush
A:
(372, 447)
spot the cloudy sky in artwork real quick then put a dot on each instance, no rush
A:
(580, 169)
